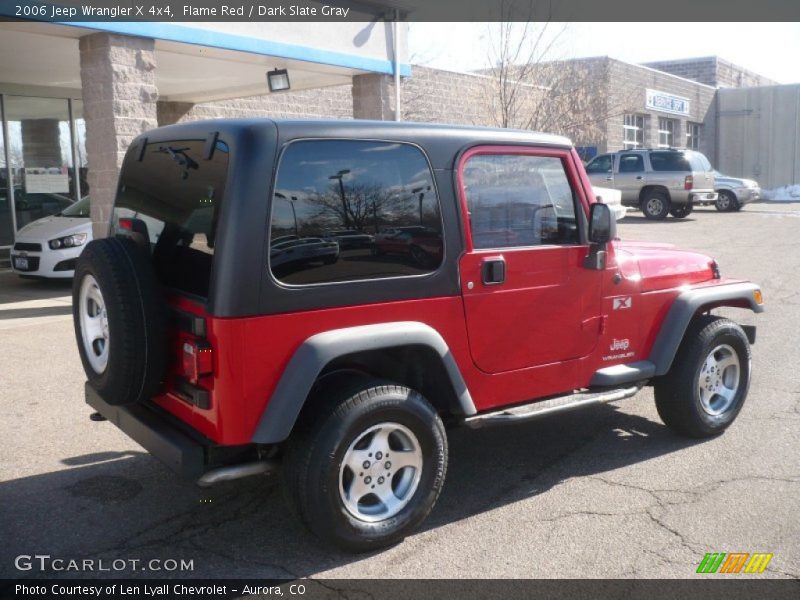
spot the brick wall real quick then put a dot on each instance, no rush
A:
(433, 95)
(324, 103)
(627, 84)
(713, 71)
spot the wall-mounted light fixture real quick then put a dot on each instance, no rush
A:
(278, 80)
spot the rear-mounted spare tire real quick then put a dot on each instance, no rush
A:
(119, 317)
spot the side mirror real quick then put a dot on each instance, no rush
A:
(602, 225)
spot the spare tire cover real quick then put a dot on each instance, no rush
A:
(119, 317)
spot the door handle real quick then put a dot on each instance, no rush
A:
(639, 177)
(493, 271)
(609, 179)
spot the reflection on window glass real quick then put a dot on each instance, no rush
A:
(346, 210)
(170, 202)
(631, 163)
(601, 164)
(517, 200)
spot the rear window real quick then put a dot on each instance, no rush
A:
(669, 161)
(699, 162)
(170, 201)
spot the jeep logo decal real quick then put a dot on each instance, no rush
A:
(619, 345)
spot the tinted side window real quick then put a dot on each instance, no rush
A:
(631, 163)
(601, 164)
(339, 207)
(171, 199)
(669, 161)
(519, 200)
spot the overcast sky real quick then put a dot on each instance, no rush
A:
(770, 49)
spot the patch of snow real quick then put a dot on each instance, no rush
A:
(787, 193)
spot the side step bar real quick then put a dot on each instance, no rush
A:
(543, 408)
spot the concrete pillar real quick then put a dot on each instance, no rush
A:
(41, 143)
(119, 102)
(373, 97)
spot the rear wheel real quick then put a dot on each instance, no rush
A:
(726, 202)
(708, 383)
(655, 205)
(681, 211)
(368, 467)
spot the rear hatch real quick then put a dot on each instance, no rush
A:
(168, 200)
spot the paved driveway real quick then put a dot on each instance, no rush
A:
(608, 492)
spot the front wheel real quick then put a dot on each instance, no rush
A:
(368, 469)
(708, 383)
(726, 202)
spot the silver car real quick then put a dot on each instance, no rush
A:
(660, 182)
(734, 192)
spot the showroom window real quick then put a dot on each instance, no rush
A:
(37, 166)
(666, 132)
(633, 130)
(346, 210)
(693, 136)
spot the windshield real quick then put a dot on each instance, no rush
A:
(79, 209)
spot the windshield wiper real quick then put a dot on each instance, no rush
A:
(179, 156)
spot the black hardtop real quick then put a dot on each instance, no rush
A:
(440, 142)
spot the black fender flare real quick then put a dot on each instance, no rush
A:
(686, 306)
(317, 351)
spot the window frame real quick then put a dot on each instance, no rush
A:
(638, 131)
(693, 135)
(366, 280)
(666, 127)
(575, 181)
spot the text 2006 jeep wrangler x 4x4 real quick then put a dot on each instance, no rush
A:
(323, 297)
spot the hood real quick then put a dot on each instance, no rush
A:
(735, 181)
(52, 227)
(662, 266)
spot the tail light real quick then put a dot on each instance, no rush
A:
(126, 224)
(198, 359)
(688, 183)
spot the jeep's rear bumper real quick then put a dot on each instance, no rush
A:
(181, 450)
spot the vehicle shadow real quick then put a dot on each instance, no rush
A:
(642, 220)
(126, 505)
(14, 288)
(42, 311)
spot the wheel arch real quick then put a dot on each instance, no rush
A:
(653, 188)
(687, 306)
(377, 350)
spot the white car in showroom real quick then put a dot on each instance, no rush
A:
(50, 246)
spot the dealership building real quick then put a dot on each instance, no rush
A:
(72, 97)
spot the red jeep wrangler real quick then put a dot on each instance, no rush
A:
(225, 329)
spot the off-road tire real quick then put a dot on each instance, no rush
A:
(726, 202)
(337, 416)
(655, 205)
(136, 320)
(677, 394)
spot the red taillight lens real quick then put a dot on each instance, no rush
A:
(688, 183)
(198, 360)
(126, 224)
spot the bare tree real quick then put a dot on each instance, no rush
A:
(531, 86)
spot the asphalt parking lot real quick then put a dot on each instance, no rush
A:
(608, 492)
